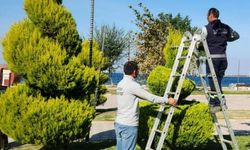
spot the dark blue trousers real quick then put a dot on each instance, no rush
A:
(220, 66)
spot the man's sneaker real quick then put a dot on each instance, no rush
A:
(215, 109)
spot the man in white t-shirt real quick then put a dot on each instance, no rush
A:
(128, 94)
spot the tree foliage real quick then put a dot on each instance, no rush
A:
(171, 47)
(152, 36)
(190, 128)
(46, 50)
(115, 42)
(31, 118)
(158, 79)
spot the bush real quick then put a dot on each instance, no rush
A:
(191, 126)
(30, 118)
(158, 78)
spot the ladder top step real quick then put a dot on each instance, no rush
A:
(159, 131)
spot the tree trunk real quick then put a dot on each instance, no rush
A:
(3, 140)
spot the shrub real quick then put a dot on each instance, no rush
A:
(30, 118)
(46, 50)
(174, 39)
(158, 78)
(191, 126)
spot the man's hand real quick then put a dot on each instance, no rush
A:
(172, 101)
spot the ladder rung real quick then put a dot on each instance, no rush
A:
(202, 58)
(178, 46)
(203, 75)
(206, 75)
(147, 148)
(171, 93)
(177, 75)
(159, 131)
(183, 57)
(222, 125)
(211, 92)
(188, 40)
(227, 141)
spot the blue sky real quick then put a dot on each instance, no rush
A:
(234, 13)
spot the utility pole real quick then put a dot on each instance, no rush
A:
(91, 32)
(129, 42)
(90, 46)
(99, 69)
(238, 75)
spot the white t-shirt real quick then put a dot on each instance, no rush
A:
(128, 94)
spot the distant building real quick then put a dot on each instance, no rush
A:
(7, 77)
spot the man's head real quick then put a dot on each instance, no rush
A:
(213, 14)
(131, 68)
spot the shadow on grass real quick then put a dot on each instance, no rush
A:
(92, 145)
(214, 144)
(101, 110)
(13, 144)
(97, 145)
(110, 134)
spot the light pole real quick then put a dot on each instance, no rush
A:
(91, 32)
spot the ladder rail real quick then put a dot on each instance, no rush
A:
(222, 100)
(186, 37)
(178, 90)
(215, 120)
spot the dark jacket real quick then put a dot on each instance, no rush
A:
(218, 34)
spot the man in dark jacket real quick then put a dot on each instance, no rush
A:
(217, 35)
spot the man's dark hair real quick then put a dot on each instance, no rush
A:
(214, 11)
(130, 67)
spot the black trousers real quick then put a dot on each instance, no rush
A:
(220, 66)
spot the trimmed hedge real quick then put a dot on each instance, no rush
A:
(191, 126)
(29, 118)
(158, 78)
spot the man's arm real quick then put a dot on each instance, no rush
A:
(233, 35)
(143, 94)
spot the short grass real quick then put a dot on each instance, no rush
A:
(236, 114)
(111, 91)
(106, 116)
(233, 114)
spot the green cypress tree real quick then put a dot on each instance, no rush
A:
(46, 50)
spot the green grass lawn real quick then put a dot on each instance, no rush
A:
(233, 114)
(106, 116)
(112, 91)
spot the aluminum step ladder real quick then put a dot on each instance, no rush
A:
(190, 43)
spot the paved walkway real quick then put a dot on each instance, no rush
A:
(234, 102)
